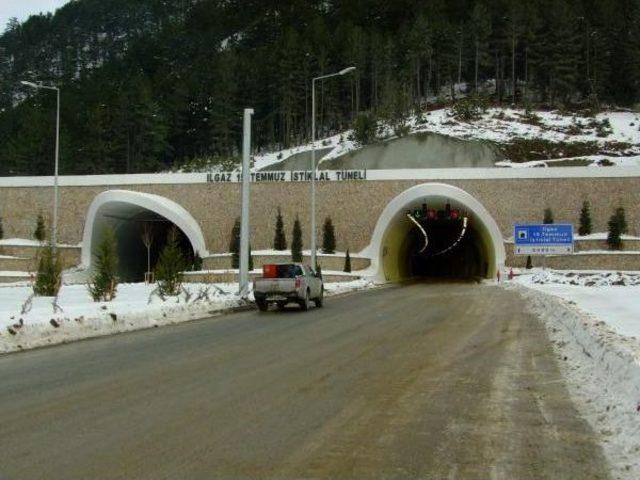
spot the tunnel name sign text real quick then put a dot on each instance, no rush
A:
(289, 176)
(547, 239)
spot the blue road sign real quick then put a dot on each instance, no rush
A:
(551, 239)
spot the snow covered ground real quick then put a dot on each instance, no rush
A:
(26, 242)
(590, 160)
(29, 322)
(593, 320)
(612, 297)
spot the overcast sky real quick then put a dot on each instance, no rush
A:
(23, 8)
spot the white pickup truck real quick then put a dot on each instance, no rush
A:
(288, 283)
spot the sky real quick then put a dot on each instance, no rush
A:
(23, 8)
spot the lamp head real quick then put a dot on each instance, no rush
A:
(347, 70)
(30, 84)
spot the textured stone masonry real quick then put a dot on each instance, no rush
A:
(353, 206)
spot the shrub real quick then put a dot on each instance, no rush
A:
(365, 128)
(617, 227)
(49, 275)
(296, 242)
(105, 279)
(40, 233)
(529, 263)
(347, 262)
(328, 237)
(1, 229)
(622, 220)
(548, 216)
(279, 239)
(170, 266)
(234, 244)
(402, 130)
(469, 109)
(585, 220)
(197, 262)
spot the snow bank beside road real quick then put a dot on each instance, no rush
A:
(603, 376)
(26, 323)
(612, 297)
(29, 323)
(593, 320)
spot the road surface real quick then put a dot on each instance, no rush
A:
(423, 381)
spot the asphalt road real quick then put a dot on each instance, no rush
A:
(422, 381)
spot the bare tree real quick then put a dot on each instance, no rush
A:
(147, 235)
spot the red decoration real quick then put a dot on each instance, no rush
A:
(270, 271)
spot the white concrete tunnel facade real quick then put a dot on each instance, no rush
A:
(128, 203)
(392, 222)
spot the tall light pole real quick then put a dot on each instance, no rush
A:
(244, 222)
(54, 226)
(313, 159)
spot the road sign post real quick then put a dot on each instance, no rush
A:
(546, 239)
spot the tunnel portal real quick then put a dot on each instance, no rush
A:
(438, 231)
(443, 244)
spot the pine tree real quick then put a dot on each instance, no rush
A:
(614, 238)
(328, 237)
(365, 128)
(170, 266)
(296, 242)
(105, 280)
(347, 262)
(480, 32)
(40, 233)
(197, 262)
(622, 221)
(234, 244)
(585, 220)
(529, 263)
(548, 216)
(280, 240)
(49, 274)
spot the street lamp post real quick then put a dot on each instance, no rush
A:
(54, 226)
(313, 159)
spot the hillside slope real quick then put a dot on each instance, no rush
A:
(499, 137)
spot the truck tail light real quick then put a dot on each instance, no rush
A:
(298, 282)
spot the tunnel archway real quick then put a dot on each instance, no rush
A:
(126, 212)
(444, 245)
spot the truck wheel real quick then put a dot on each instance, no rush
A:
(305, 304)
(263, 306)
(320, 300)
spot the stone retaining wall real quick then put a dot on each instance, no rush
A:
(353, 206)
(325, 262)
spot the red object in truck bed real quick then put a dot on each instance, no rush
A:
(270, 271)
